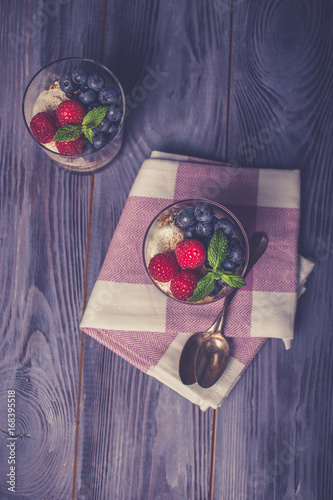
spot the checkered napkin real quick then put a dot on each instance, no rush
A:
(130, 316)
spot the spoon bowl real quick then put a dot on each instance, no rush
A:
(187, 357)
(212, 361)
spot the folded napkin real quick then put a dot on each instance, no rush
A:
(130, 316)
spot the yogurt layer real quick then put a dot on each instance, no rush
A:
(164, 239)
(49, 100)
(51, 146)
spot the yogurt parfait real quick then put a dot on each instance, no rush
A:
(74, 109)
(196, 251)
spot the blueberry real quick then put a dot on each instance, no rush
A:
(186, 217)
(95, 82)
(84, 87)
(75, 96)
(229, 265)
(236, 253)
(104, 125)
(114, 113)
(87, 97)
(88, 148)
(113, 128)
(67, 85)
(216, 290)
(99, 139)
(93, 105)
(204, 228)
(79, 76)
(190, 231)
(204, 213)
(108, 96)
(205, 240)
(221, 282)
(225, 225)
(234, 241)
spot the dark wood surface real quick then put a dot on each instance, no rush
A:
(243, 81)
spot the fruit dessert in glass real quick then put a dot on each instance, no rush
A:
(196, 251)
(74, 109)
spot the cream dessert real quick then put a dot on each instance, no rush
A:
(194, 252)
(78, 114)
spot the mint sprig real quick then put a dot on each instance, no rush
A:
(71, 132)
(94, 117)
(233, 279)
(217, 252)
(218, 249)
(204, 287)
(67, 133)
(89, 134)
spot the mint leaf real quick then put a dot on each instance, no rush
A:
(204, 287)
(233, 279)
(94, 117)
(67, 133)
(88, 133)
(217, 273)
(218, 249)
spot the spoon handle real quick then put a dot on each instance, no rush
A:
(258, 245)
(218, 323)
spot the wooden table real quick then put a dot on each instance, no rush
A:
(244, 81)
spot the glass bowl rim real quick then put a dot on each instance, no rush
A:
(85, 59)
(194, 200)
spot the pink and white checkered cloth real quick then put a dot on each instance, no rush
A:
(130, 316)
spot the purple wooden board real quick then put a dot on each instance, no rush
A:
(287, 435)
(270, 107)
(44, 216)
(159, 444)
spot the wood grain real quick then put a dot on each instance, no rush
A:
(281, 117)
(44, 213)
(158, 443)
(249, 82)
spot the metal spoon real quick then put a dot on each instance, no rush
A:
(187, 362)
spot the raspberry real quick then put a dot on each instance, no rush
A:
(44, 126)
(183, 285)
(191, 254)
(191, 276)
(163, 266)
(71, 147)
(70, 112)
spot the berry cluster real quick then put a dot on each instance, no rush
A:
(84, 92)
(179, 267)
(201, 223)
(188, 263)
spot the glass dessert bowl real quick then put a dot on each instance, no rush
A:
(196, 251)
(74, 109)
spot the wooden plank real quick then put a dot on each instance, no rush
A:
(44, 215)
(139, 439)
(274, 430)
